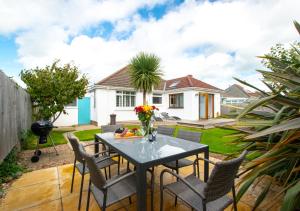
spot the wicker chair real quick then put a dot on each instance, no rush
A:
(210, 196)
(80, 164)
(187, 135)
(108, 192)
(111, 129)
(168, 131)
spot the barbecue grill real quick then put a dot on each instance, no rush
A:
(41, 129)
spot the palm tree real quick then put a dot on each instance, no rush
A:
(145, 72)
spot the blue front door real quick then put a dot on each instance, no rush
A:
(84, 114)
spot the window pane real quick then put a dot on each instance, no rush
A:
(132, 101)
(181, 100)
(74, 103)
(157, 99)
(176, 100)
(119, 101)
(127, 101)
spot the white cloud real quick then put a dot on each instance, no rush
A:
(224, 36)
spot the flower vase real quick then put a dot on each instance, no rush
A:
(146, 128)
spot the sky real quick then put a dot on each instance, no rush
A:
(212, 40)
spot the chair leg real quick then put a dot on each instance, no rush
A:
(105, 173)
(81, 186)
(128, 169)
(88, 196)
(130, 201)
(73, 174)
(152, 189)
(177, 172)
(104, 200)
(198, 169)
(161, 198)
(204, 206)
(234, 199)
(109, 172)
(119, 163)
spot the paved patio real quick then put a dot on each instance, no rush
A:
(49, 189)
(207, 123)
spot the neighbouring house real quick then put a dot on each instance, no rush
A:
(185, 97)
(236, 94)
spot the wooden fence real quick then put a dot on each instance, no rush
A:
(15, 114)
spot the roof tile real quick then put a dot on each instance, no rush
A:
(121, 78)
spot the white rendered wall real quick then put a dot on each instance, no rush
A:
(106, 105)
(93, 109)
(190, 106)
(217, 101)
(68, 119)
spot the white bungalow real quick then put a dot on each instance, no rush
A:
(185, 97)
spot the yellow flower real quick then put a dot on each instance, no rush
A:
(147, 108)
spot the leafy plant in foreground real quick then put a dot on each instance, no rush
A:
(275, 134)
(10, 168)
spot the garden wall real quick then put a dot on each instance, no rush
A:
(15, 114)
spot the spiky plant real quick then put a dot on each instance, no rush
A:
(145, 72)
(275, 137)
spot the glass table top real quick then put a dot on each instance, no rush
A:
(141, 150)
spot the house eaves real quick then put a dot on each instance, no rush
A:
(198, 89)
(120, 88)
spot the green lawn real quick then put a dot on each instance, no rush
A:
(31, 140)
(86, 135)
(218, 139)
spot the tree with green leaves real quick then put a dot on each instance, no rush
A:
(275, 136)
(53, 87)
(145, 73)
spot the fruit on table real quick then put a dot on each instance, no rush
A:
(119, 130)
(128, 134)
(124, 132)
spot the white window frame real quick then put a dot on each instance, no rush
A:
(125, 99)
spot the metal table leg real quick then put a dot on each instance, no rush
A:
(141, 182)
(206, 164)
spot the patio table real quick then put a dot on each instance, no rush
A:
(144, 154)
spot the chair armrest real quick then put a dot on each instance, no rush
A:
(111, 183)
(196, 161)
(182, 180)
(210, 161)
(95, 143)
(99, 153)
(103, 159)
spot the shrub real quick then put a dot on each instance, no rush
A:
(9, 168)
